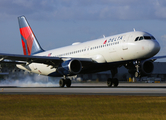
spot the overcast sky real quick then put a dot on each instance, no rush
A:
(61, 22)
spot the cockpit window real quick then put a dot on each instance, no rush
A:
(152, 37)
(147, 37)
(137, 39)
(141, 38)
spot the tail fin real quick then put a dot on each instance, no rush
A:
(29, 42)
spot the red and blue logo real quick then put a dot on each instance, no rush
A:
(105, 42)
(29, 42)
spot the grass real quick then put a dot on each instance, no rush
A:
(83, 107)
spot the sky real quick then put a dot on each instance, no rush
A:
(58, 23)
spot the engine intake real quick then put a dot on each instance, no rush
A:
(147, 67)
(70, 67)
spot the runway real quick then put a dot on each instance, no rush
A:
(148, 89)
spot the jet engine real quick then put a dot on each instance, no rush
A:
(146, 67)
(70, 67)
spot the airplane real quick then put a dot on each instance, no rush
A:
(135, 50)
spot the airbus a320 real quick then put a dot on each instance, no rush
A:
(135, 50)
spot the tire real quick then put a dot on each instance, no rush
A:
(62, 83)
(109, 82)
(68, 82)
(116, 82)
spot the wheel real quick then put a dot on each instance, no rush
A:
(62, 83)
(68, 83)
(109, 82)
(115, 82)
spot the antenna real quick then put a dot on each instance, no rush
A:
(103, 36)
(134, 29)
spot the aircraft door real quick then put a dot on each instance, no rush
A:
(125, 42)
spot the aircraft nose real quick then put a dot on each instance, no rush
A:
(154, 47)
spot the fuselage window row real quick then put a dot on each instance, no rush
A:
(92, 48)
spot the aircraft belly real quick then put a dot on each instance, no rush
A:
(45, 69)
(37, 68)
(99, 58)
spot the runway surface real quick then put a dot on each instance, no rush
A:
(150, 89)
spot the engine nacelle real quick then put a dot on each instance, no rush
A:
(146, 67)
(70, 67)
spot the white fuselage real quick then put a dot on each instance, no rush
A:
(122, 47)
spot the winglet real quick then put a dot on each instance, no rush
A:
(29, 42)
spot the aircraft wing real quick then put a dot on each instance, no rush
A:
(157, 57)
(24, 59)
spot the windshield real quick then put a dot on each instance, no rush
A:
(144, 38)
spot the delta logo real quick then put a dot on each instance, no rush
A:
(49, 54)
(105, 42)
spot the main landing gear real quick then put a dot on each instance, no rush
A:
(113, 81)
(65, 81)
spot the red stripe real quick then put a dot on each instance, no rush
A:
(27, 33)
(24, 47)
(30, 43)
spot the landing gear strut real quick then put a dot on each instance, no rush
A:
(64, 82)
(113, 81)
(137, 73)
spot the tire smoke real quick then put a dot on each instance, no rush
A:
(31, 81)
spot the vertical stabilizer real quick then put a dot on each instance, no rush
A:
(29, 42)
